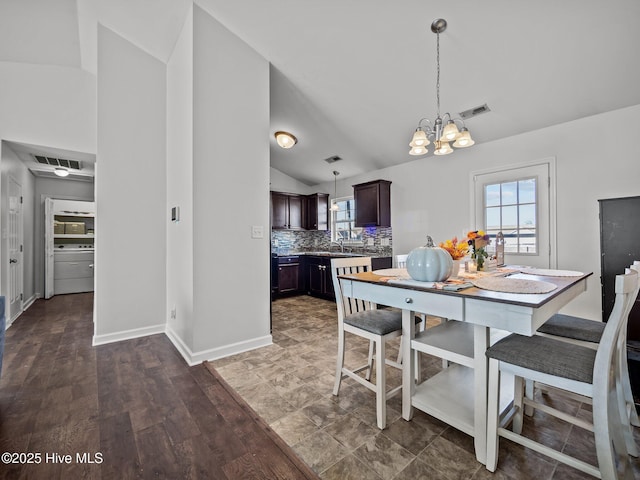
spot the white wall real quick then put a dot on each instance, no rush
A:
(130, 191)
(432, 195)
(180, 190)
(281, 182)
(230, 191)
(11, 166)
(48, 105)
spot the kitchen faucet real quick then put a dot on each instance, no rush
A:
(339, 242)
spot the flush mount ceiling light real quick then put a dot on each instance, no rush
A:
(285, 139)
(334, 204)
(61, 172)
(441, 135)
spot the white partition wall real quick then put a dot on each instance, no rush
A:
(218, 275)
(130, 191)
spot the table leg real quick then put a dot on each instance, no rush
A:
(408, 367)
(481, 367)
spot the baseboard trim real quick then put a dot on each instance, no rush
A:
(195, 358)
(127, 335)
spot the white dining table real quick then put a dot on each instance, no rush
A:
(458, 394)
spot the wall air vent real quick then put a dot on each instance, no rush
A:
(473, 112)
(333, 159)
(58, 162)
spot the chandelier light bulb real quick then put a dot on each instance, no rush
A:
(442, 148)
(464, 140)
(418, 151)
(419, 139)
(450, 132)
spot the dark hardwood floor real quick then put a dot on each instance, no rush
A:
(132, 409)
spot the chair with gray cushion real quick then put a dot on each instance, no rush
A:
(587, 332)
(573, 368)
(365, 320)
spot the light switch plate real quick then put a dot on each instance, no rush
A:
(257, 231)
(370, 241)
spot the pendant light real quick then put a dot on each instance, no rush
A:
(440, 132)
(334, 204)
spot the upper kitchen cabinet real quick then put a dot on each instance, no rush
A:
(287, 211)
(317, 211)
(373, 203)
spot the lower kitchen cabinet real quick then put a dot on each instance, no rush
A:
(309, 274)
(378, 263)
(319, 281)
(289, 275)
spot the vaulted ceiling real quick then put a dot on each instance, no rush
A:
(352, 78)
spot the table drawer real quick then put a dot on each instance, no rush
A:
(437, 304)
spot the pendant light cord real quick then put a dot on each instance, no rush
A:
(438, 71)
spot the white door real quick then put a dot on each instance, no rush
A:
(15, 249)
(48, 248)
(518, 202)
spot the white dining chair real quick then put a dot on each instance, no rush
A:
(582, 331)
(573, 368)
(401, 261)
(365, 320)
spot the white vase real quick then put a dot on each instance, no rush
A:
(456, 268)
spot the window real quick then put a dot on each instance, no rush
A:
(343, 222)
(510, 207)
(518, 201)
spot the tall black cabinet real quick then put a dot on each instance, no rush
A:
(619, 247)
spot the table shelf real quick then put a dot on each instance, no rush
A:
(451, 340)
(449, 396)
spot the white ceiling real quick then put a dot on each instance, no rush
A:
(353, 78)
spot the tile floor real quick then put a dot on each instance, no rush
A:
(290, 385)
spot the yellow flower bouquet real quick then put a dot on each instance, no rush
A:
(456, 249)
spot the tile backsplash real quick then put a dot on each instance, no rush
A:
(285, 241)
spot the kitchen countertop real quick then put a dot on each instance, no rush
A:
(333, 254)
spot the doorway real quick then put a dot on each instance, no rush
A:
(15, 234)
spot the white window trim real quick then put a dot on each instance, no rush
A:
(551, 163)
(332, 220)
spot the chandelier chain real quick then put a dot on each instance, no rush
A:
(442, 131)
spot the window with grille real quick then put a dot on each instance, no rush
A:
(510, 207)
(343, 222)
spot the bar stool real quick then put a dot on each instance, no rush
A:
(573, 368)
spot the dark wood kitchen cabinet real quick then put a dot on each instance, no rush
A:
(317, 217)
(289, 275)
(319, 281)
(287, 211)
(373, 203)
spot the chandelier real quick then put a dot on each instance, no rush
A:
(441, 133)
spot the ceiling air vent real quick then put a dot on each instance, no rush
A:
(58, 162)
(333, 159)
(473, 112)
